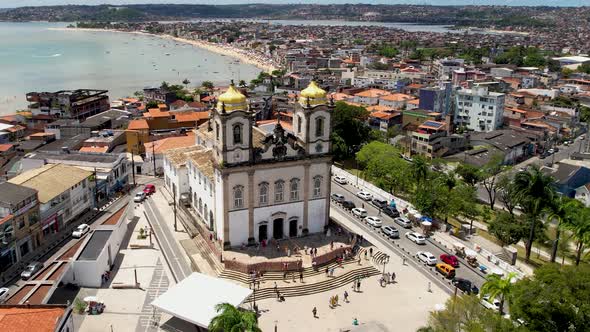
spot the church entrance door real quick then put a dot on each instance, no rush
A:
(293, 228)
(262, 232)
(277, 228)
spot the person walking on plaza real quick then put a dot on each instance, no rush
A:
(300, 276)
(327, 271)
(365, 255)
(371, 251)
(315, 312)
(404, 260)
(346, 296)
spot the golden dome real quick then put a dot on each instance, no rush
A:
(232, 98)
(314, 94)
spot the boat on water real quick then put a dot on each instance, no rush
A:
(215, 72)
(167, 54)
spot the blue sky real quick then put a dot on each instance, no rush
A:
(19, 3)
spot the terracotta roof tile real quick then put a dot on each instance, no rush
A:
(138, 124)
(19, 318)
(170, 143)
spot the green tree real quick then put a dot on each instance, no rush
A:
(506, 193)
(349, 122)
(242, 84)
(151, 104)
(387, 51)
(496, 286)
(186, 82)
(584, 68)
(207, 85)
(339, 148)
(578, 223)
(466, 314)
(507, 228)
(489, 176)
(566, 72)
(232, 319)
(420, 169)
(561, 208)
(554, 299)
(534, 191)
(383, 165)
(164, 85)
(469, 174)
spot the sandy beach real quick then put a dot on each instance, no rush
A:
(224, 49)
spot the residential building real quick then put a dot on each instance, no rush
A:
(436, 99)
(62, 198)
(71, 104)
(444, 68)
(514, 146)
(370, 96)
(478, 109)
(112, 169)
(432, 140)
(583, 194)
(159, 95)
(397, 101)
(568, 177)
(36, 318)
(156, 149)
(265, 181)
(20, 229)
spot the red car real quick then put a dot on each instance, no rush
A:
(149, 189)
(450, 259)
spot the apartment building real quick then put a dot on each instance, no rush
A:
(71, 104)
(431, 139)
(479, 109)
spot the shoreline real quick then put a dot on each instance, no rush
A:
(231, 51)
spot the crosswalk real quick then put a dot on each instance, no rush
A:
(149, 320)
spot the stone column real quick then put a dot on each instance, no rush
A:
(251, 197)
(306, 194)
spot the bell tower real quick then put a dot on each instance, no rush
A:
(232, 123)
(312, 120)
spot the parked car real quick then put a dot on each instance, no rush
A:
(359, 212)
(555, 149)
(373, 221)
(465, 285)
(416, 237)
(185, 199)
(139, 197)
(391, 211)
(390, 231)
(449, 259)
(426, 257)
(551, 151)
(3, 294)
(543, 155)
(446, 270)
(380, 203)
(80, 231)
(494, 304)
(149, 189)
(364, 195)
(31, 269)
(403, 221)
(337, 198)
(340, 179)
(348, 205)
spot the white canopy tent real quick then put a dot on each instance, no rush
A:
(194, 298)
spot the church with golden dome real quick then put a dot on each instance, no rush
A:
(262, 180)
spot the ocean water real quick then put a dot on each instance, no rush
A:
(34, 58)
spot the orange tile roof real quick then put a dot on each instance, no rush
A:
(36, 319)
(396, 97)
(384, 115)
(138, 124)
(190, 116)
(286, 125)
(208, 98)
(373, 93)
(169, 143)
(410, 70)
(5, 147)
(15, 128)
(196, 104)
(162, 106)
(156, 113)
(414, 101)
(141, 107)
(41, 134)
(415, 86)
(352, 103)
(130, 100)
(379, 108)
(101, 149)
(5, 219)
(340, 96)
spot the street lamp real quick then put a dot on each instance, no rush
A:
(385, 261)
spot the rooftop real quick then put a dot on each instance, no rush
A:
(169, 143)
(49, 180)
(373, 93)
(202, 159)
(179, 156)
(13, 194)
(33, 318)
(138, 124)
(56, 156)
(95, 245)
(505, 139)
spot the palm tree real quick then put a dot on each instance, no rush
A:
(232, 319)
(420, 169)
(186, 82)
(496, 286)
(534, 191)
(561, 208)
(579, 225)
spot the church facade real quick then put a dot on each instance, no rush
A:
(251, 182)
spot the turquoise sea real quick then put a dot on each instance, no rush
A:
(34, 58)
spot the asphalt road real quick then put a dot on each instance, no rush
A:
(349, 192)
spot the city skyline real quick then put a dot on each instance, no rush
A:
(556, 3)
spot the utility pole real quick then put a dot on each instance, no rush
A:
(154, 157)
(95, 188)
(174, 194)
(133, 167)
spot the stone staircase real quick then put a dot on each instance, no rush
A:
(317, 287)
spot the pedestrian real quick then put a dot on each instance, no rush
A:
(346, 296)
(288, 252)
(315, 312)
(358, 286)
(293, 275)
(355, 322)
(365, 255)
(327, 271)
(315, 251)
(359, 260)
(371, 251)
(429, 287)
(379, 214)
(336, 299)
(332, 245)
(284, 275)
(300, 276)
(276, 287)
(331, 272)
(393, 277)
(404, 260)
(363, 205)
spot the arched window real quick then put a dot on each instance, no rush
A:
(238, 197)
(319, 127)
(205, 215)
(200, 206)
(263, 193)
(195, 199)
(298, 124)
(279, 188)
(317, 186)
(294, 189)
(237, 130)
(217, 131)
